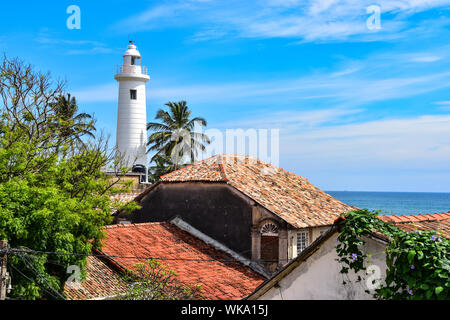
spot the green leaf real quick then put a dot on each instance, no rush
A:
(420, 255)
(424, 286)
(411, 256)
(438, 290)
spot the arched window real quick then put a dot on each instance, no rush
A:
(269, 229)
(269, 244)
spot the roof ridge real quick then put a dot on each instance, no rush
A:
(269, 164)
(184, 226)
(221, 156)
(222, 168)
(417, 217)
(129, 225)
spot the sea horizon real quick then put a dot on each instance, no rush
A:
(396, 202)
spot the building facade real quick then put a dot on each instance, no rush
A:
(315, 274)
(268, 218)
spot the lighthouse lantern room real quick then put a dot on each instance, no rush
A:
(132, 114)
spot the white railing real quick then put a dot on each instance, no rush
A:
(132, 69)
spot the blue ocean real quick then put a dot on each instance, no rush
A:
(399, 203)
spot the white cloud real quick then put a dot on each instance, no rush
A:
(100, 93)
(46, 39)
(208, 34)
(154, 17)
(94, 50)
(320, 6)
(315, 20)
(426, 59)
(73, 47)
(345, 72)
(412, 143)
(353, 86)
(293, 120)
(442, 103)
(333, 88)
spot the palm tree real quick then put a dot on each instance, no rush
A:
(174, 136)
(70, 124)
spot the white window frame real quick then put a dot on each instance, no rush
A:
(302, 240)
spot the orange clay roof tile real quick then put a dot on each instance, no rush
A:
(439, 222)
(289, 196)
(219, 274)
(101, 281)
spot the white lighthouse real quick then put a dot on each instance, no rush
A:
(132, 115)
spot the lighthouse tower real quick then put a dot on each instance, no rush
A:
(132, 115)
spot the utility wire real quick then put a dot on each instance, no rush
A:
(31, 280)
(36, 272)
(18, 251)
(146, 258)
(30, 251)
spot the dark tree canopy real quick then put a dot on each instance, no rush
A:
(54, 195)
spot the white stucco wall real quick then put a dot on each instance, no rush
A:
(315, 232)
(319, 276)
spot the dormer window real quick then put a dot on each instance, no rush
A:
(133, 94)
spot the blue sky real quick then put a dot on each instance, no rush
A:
(357, 109)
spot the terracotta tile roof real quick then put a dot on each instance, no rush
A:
(221, 280)
(438, 221)
(124, 197)
(101, 281)
(289, 196)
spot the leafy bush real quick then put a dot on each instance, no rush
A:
(418, 264)
(153, 280)
(54, 196)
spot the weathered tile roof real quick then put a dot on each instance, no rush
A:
(102, 281)
(124, 197)
(287, 195)
(438, 221)
(221, 276)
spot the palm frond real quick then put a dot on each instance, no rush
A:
(168, 138)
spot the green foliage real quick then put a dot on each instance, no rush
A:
(174, 137)
(162, 165)
(68, 123)
(153, 280)
(418, 264)
(54, 196)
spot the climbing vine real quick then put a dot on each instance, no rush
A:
(418, 264)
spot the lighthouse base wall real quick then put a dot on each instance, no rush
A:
(131, 123)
